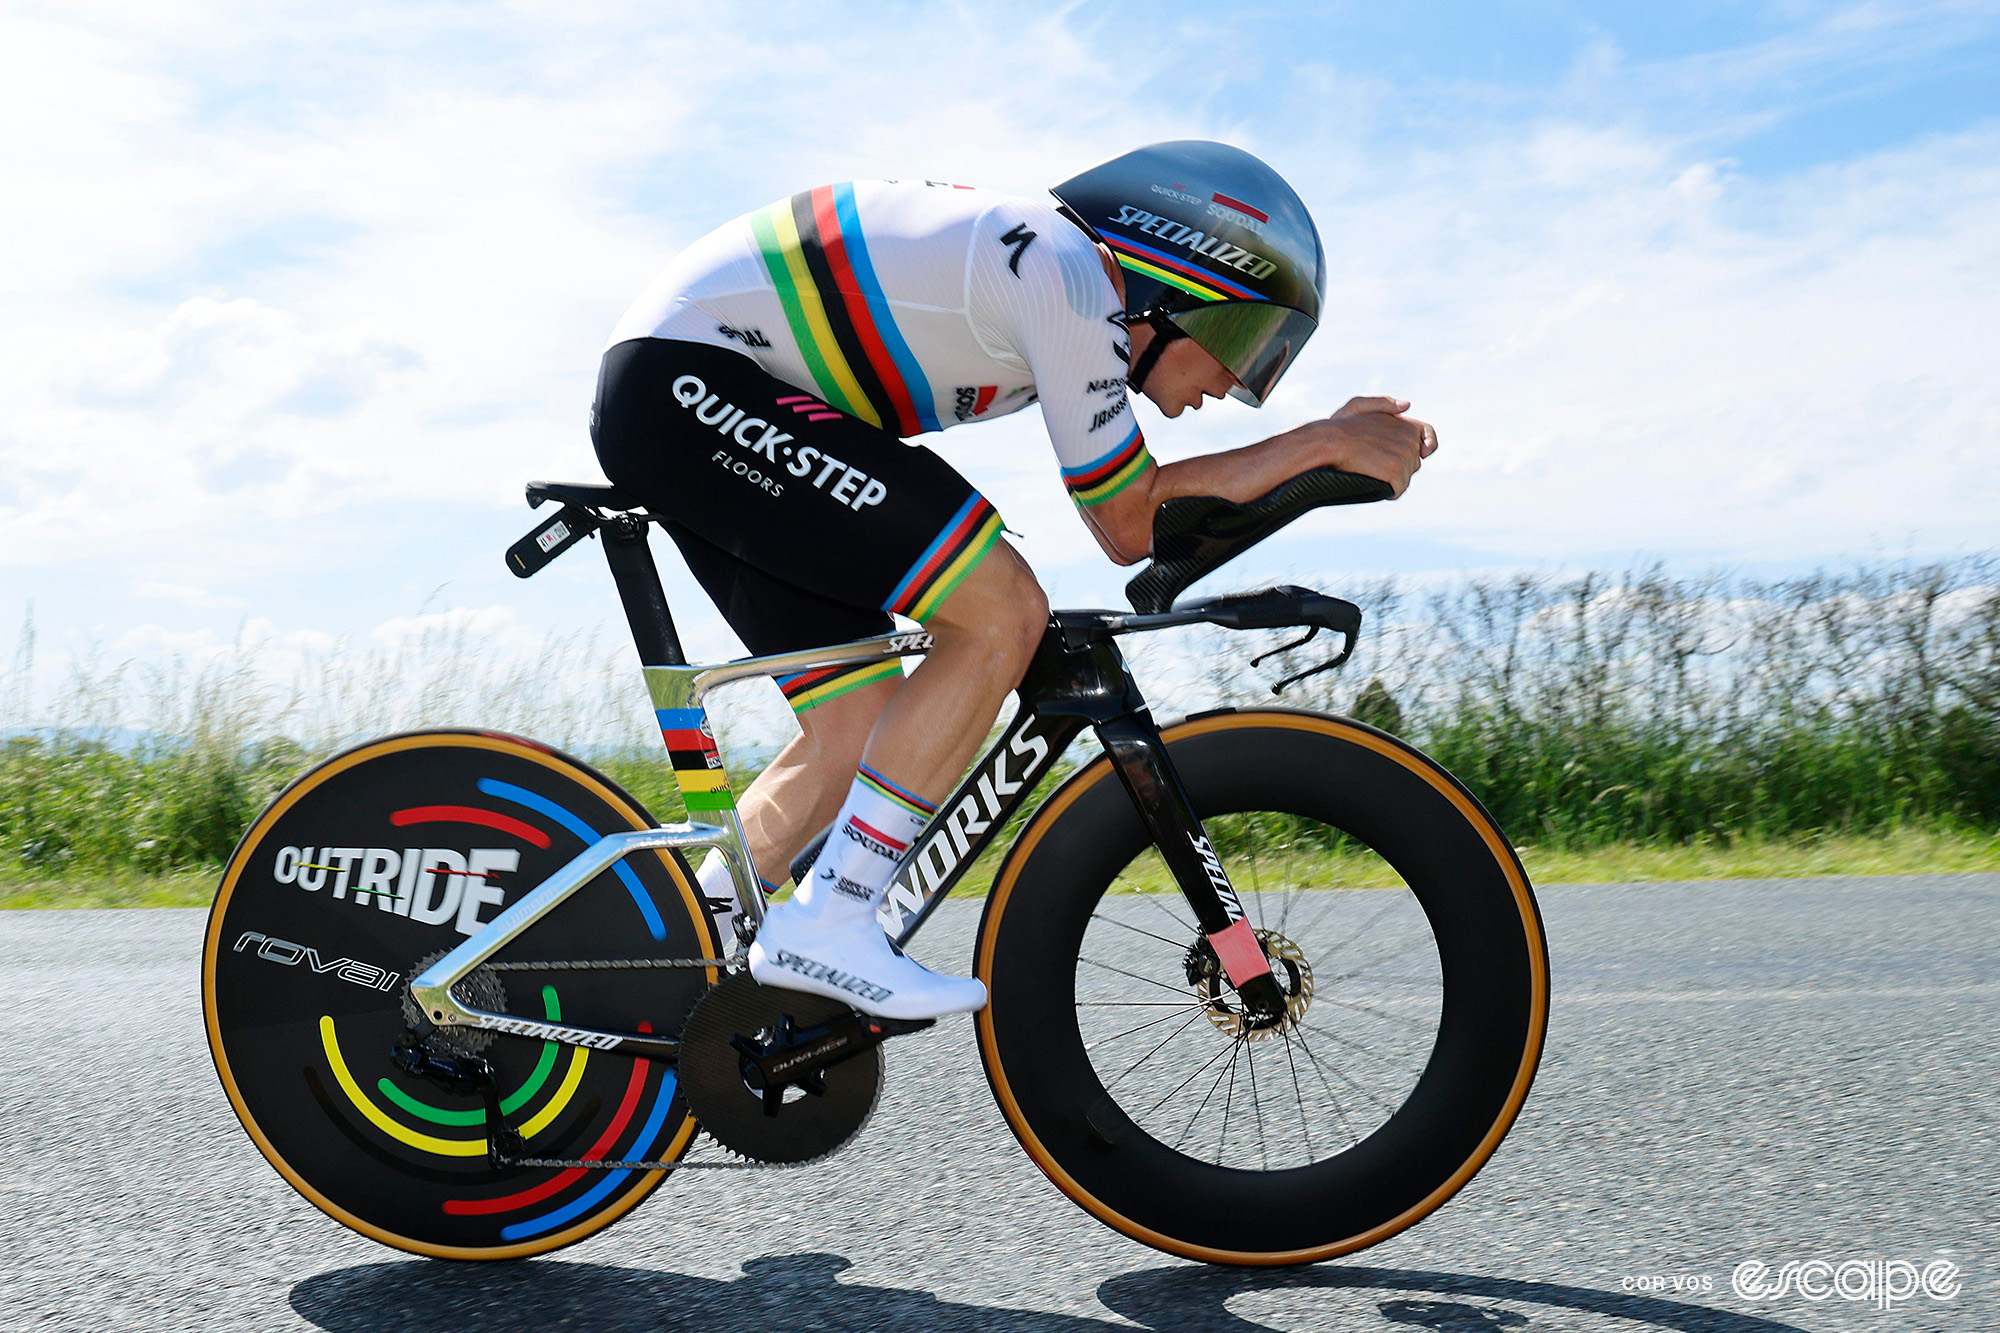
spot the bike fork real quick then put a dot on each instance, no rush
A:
(1140, 758)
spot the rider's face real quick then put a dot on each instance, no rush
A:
(1185, 375)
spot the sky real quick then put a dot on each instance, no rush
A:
(299, 295)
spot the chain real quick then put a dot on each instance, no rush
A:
(576, 1163)
(608, 964)
(612, 965)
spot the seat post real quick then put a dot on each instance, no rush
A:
(631, 561)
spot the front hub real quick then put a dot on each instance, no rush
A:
(1290, 970)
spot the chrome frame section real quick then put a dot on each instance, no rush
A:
(432, 990)
(670, 687)
(674, 687)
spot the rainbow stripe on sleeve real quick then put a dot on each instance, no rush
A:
(838, 313)
(697, 763)
(1094, 483)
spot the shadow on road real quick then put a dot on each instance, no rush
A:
(799, 1291)
(1170, 1300)
(781, 1292)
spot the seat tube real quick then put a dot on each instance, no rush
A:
(698, 772)
(1140, 758)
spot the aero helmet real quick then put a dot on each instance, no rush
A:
(1215, 247)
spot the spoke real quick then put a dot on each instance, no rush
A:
(1331, 1094)
(1154, 899)
(1257, 1106)
(1323, 1067)
(1151, 1022)
(1256, 889)
(1395, 901)
(1175, 990)
(1305, 1121)
(1113, 921)
(1231, 1049)
(1228, 1100)
(1409, 949)
(1135, 1004)
(1292, 892)
(1155, 1051)
(1417, 1023)
(1220, 1051)
(1359, 1047)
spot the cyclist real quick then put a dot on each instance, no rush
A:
(759, 394)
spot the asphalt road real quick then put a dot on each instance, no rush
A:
(1779, 1071)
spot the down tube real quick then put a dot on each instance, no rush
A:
(973, 816)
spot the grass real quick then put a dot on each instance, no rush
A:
(1903, 851)
(1907, 851)
(1630, 725)
(127, 888)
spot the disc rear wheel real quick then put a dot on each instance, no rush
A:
(360, 874)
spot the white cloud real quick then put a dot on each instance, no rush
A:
(300, 277)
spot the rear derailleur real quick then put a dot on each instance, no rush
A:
(464, 1076)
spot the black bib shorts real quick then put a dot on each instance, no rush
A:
(806, 526)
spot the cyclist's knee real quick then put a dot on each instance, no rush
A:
(1000, 605)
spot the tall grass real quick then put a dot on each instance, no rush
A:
(1641, 706)
(161, 766)
(1581, 710)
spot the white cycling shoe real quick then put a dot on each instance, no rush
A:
(849, 959)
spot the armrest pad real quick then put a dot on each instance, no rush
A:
(1195, 535)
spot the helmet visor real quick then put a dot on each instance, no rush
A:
(1255, 340)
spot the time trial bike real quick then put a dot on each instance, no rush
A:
(1267, 985)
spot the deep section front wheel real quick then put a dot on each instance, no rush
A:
(362, 872)
(1400, 927)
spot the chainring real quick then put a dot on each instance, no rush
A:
(809, 1125)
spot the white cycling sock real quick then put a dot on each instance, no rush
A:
(827, 940)
(715, 882)
(872, 832)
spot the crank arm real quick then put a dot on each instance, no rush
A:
(799, 1056)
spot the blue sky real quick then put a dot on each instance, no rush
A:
(300, 294)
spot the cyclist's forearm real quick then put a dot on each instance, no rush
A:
(1123, 525)
(1235, 474)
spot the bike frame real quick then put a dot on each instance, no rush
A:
(1077, 679)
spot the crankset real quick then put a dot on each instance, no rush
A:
(778, 1075)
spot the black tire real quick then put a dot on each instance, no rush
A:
(1427, 1030)
(303, 985)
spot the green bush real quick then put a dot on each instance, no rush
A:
(1582, 711)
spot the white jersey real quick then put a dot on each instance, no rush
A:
(916, 307)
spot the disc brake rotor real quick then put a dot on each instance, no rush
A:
(1289, 966)
(717, 1078)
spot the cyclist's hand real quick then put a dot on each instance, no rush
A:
(1372, 436)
